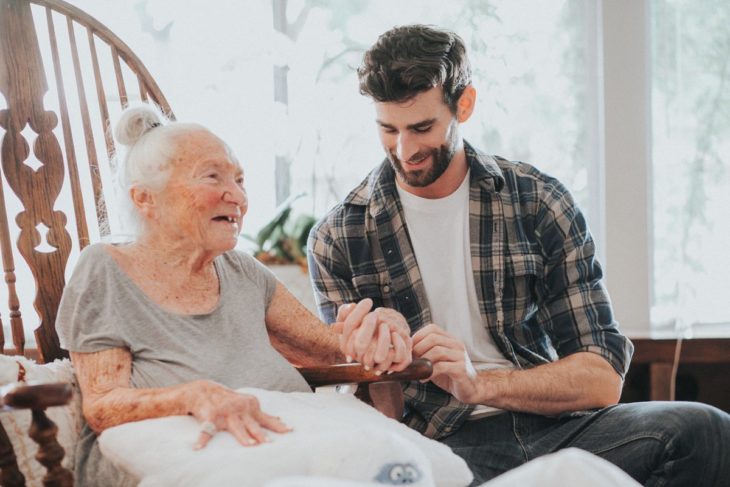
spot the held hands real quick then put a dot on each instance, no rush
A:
(221, 409)
(452, 367)
(378, 339)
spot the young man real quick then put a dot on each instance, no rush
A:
(492, 265)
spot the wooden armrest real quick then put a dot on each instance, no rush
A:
(38, 396)
(355, 373)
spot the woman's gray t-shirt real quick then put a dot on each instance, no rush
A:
(103, 308)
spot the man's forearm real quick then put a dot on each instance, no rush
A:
(577, 382)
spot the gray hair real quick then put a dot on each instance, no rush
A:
(147, 142)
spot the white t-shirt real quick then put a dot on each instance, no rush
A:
(439, 231)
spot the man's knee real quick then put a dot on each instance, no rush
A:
(690, 441)
(687, 423)
(692, 422)
(700, 439)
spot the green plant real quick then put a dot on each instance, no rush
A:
(283, 240)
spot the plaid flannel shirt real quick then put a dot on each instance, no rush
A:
(537, 279)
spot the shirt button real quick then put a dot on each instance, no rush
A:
(386, 289)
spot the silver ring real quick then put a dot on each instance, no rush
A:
(208, 427)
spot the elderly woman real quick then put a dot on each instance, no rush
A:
(173, 322)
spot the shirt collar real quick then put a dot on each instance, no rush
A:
(483, 167)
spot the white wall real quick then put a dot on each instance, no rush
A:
(627, 156)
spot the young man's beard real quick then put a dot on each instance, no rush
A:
(441, 159)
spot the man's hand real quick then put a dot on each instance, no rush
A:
(378, 339)
(452, 368)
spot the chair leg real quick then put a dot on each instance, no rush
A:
(10, 474)
(363, 393)
(386, 397)
(50, 452)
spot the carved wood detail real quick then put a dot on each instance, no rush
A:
(23, 84)
(10, 475)
(16, 322)
(50, 452)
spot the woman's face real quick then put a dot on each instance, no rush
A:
(205, 199)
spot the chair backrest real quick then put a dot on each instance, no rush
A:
(61, 75)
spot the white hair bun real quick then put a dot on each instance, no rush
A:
(134, 123)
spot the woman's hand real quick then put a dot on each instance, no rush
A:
(378, 339)
(221, 409)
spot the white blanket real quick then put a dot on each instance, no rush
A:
(335, 437)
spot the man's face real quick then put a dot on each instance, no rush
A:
(420, 137)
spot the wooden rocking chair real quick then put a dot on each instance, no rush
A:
(53, 137)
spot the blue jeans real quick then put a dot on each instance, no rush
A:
(657, 443)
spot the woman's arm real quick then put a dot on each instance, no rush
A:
(368, 336)
(108, 400)
(299, 335)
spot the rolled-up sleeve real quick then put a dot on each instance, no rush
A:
(576, 311)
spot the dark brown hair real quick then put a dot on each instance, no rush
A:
(411, 59)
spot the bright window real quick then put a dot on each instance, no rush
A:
(691, 163)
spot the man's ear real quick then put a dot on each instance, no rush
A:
(465, 105)
(144, 201)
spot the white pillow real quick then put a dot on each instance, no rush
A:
(571, 467)
(16, 423)
(335, 436)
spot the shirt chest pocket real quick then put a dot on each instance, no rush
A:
(372, 286)
(522, 277)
